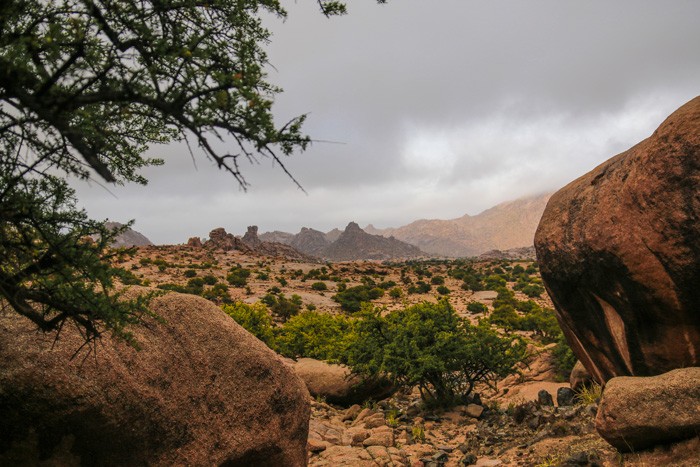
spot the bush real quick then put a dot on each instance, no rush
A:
(564, 358)
(477, 307)
(210, 279)
(396, 293)
(437, 280)
(253, 318)
(282, 306)
(320, 286)
(442, 290)
(190, 273)
(238, 276)
(533, 290)
(428, 345)
(313, 335)
(217, 293)
(351, 299)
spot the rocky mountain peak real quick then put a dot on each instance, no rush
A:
(251, 236)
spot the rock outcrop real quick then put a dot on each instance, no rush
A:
(221, 240)
(250, 238)
(128, 238)
(356, 244)
(310, 241)
(201, 391)
(337, 385)
(620, 255)
(639, 412)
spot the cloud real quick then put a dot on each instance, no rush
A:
(433, 110)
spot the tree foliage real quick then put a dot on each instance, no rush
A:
(428, 345)
(86, 86)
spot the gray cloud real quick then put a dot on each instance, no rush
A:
(442, 108)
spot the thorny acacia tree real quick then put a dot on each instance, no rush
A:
(86, 86)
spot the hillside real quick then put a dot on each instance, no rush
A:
(354, 244)
(128, 238)
(508, 225)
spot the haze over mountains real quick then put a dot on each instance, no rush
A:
(505, 226)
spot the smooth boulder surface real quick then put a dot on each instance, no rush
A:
(640, 412)
(337, 384)
(619, 253)
(201, 391)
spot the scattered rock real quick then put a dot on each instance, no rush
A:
(200, 391)
(352, 412)
(619, 255)
(565, 397)
(474, 411)
(639, 412)
(544, 398)
(579, 377)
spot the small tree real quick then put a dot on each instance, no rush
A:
(428, 345)
(253, 318)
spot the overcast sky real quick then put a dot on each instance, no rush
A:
(437, 109)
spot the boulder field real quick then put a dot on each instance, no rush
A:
(200, 391)
(619, 252)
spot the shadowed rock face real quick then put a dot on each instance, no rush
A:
(201, 391)
(619, 250)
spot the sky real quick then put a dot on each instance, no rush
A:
(432, 110)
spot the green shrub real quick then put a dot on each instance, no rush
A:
(282, 306)
(437, 280)
(442, 290)
(210, 279)
(351, 299)
(313, 335)
(217, 293)
(428, 345)
(319, 286)
(533, 290)
(564, 358)
(238, 276)
(396, 293)
(190, 273)
(477, 307)
(253, 318)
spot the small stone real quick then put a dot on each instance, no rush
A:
(544, 398)
(463, 448)
(468, 459)
(440, 456)
(565, 397)
(352, 412)
(315, 445)
(447, 449)
(474, 410)
(383, 438)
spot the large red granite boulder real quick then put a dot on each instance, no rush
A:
(201, 391)
(619, 250)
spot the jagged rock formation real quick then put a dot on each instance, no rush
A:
(127, 238)
(619, 252)
(195, 242)
(310, 241)
(200, 391)
(251, 237)
(505, 226)
(220, 239)
(276, 237)
(355, 244)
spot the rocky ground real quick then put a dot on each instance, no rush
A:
(506, 427)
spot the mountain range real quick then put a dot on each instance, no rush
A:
(506, 226)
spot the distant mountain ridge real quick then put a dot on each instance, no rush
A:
(506, 226)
